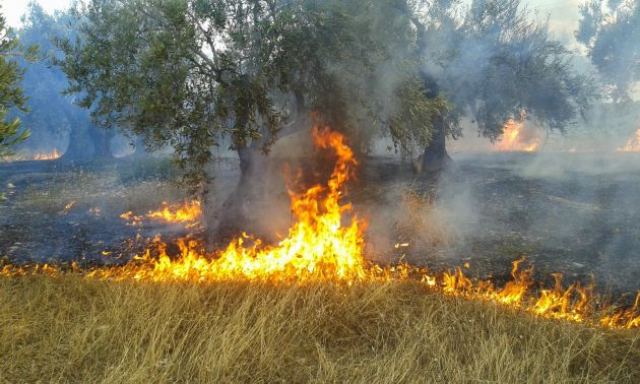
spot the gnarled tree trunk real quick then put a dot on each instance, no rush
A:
(435, 156)
(88, 143)
(237, 209)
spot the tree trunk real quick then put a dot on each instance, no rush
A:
(435, 156)
(101, 139)
(138, 147)
(87, 143)
(77, 148)
(241, 205)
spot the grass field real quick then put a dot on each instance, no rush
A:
(72, 329)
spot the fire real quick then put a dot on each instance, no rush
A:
(629, 318)
(574, 303)
(189, 211)
(55, 154)
(326, 243)
(318, 245)
(39, 156)
(517, 138)
(633, 144)
(131, 218)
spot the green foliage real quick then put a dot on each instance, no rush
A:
(493, 61)
(611, 32)
(11, 95)
(189, 72)
(51, 114)
(414, 121)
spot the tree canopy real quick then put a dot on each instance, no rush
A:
(54, 114)
(11, 95)
(611, 32)
(494, 61)
(189, 72)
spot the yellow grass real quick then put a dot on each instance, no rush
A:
(70, 329)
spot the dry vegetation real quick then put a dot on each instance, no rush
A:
(71, 329)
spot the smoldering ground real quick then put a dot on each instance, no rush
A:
(578, 214)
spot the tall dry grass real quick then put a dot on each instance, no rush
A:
(70, 329)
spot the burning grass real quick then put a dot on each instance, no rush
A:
(632, 144)
(71, 329)
(187, 213)
(307, 308)
(37, 156)
(325, 245)
(517, 137)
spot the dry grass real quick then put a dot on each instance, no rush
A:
(69, 329)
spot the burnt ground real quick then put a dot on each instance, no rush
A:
(53, 212)
(576, 214)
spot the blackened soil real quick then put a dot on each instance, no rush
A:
(575, 214)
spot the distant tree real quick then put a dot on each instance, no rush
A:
(493, 62)
(611, 32)
(52, 113)
(11, 95)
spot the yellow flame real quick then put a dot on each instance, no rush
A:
(326, 243)
(131, 218)
(55, 154)
(189, 211)
(633, 144)
(515, 139)
(318, 243)
(22, 156)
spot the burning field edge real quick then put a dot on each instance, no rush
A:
(326, 244)
(308, 308)
(67, 328)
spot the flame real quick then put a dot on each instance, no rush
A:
(633, 144)
(318, 243)
(39, 156)
(516, 138)
(189, 211)
(629, 318)
(574, 303)
(326, 243)
(132, 219)
(55, 154)
(68, 207)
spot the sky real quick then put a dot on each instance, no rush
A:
(14, 9)
(563, 13)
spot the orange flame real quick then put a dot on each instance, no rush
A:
(516, 138)
(633, 144)
(326, 243)
(189, 211)
(39, 156)
(55, 154)
(318, 244)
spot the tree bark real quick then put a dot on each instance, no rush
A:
(101, 139)
(241, 204)
(139, 149)
(435, 156)
(77, 148)
(88, 143)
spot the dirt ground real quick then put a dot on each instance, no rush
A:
(572, 213)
